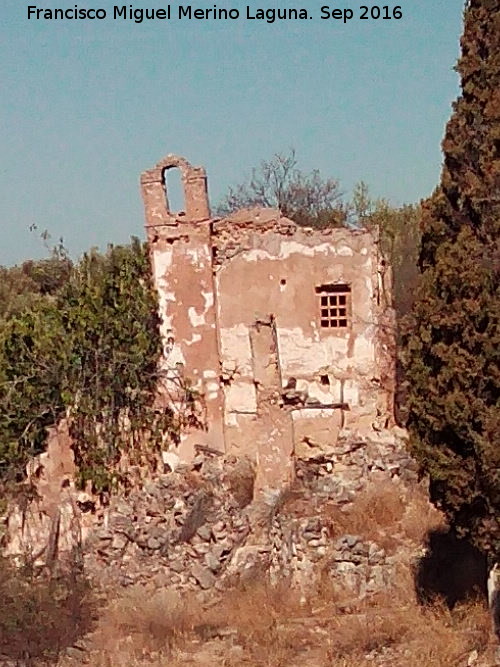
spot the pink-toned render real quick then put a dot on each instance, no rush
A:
(286, 333)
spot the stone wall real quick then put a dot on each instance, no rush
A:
(182, 270)
(277, 267)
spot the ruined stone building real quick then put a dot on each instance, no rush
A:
(285, 333)
(278, 345)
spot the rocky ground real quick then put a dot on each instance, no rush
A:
(192, 569)
(200, 527)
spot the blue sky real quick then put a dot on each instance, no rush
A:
(85, 106)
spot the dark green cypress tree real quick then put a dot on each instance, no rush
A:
(452, 351)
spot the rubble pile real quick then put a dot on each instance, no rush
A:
(343, 469)
(179, 530)
(199, 527)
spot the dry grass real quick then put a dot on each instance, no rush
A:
(415, 636)
(280, 627)
(267, 627)
(41, 615)
(373, 515)
(421, 517)
(149, 622)
(386, 514)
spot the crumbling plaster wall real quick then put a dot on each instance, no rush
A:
(266, 264)
(240, 319)
(182, 267)
(221, 282)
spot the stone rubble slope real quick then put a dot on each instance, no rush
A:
(198, 527)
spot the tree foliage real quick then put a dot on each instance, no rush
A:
(399, 233)
(453, 345)
(28, 284)
(306, 198)
(90, 352)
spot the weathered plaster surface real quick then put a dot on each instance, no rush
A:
(182, 265)
(290, 270)
(241, 323)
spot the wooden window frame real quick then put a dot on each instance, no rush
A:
(335, 306)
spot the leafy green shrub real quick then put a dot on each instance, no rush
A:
(89, 352)
(33, 360)
(28, 284)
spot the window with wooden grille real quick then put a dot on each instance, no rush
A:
(334, 306)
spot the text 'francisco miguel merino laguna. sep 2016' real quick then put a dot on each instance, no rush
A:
(194, 12)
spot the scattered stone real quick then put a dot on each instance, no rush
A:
(193, 528)
(212, 562)
(203, 576)
(119, 541)
(153, 543)
(170, 460)
(177, 566)
(205, 532)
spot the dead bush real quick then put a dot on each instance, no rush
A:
(416, 636)
(42, 614)
(421, 517)
(374, 514)
(150, 622)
